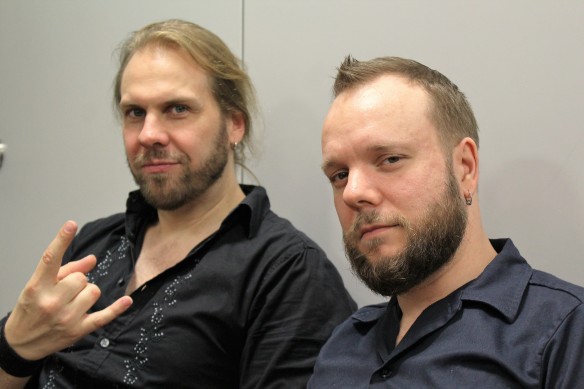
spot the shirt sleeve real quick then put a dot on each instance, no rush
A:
(300, 301)
(563, 356)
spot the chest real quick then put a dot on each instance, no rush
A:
(158, 255)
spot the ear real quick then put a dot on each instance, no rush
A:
(465, 163)
(235, 126)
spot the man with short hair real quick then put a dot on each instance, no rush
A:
(400, 148)
(198, 284)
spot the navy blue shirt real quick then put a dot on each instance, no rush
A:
(512, 327)
(249, 307)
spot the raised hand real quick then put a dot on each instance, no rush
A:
(51, 312)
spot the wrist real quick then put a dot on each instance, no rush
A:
(11, 362)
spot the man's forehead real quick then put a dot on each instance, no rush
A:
(386, 97)
(389, 88)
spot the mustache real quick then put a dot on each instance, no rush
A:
(371, 217)
(158, 154)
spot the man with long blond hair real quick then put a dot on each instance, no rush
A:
(198, 284)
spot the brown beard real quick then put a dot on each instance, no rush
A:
(430, 244)
(169, 193)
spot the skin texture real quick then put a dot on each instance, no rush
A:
(177, 145)
(174, 133)
(383, 155)
(175, 137)
(51, 311)
(383, 159)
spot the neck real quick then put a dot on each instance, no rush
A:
(204, 214)
(473, 255)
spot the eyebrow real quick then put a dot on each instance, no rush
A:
(195, 104)
(328, 165)
(377, 148)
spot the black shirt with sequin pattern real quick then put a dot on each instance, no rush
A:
(249, 307)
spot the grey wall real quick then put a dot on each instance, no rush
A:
(519, 63)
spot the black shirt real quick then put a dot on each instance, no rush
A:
(512, 327)
(249, 307)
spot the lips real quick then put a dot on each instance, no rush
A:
(368, 229)
(157, 166)
(371, 230)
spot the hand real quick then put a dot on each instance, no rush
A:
(51, 312)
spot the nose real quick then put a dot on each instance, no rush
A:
(153, 132)
(361, 190)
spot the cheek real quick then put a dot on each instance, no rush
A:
(345, 214)
(131, 143)
(412, 190)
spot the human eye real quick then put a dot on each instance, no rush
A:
(392, 159)
(338, 178)
(135, 112)
(179, 109)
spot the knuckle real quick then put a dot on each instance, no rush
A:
(48, 256)
(94, 291)
(30, 291)
(48, 305)
(79, 278)
(62, 321)
(75, 280)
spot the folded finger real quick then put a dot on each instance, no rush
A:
(83, 265)
(101, 318)
(70, 287)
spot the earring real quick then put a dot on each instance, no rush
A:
(234, 146)
(468, 198)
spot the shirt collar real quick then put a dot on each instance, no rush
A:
(250, 212)
(501, 285)
(503, 282)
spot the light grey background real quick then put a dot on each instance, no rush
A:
(520, 64)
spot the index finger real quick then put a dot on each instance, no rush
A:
(50, 262)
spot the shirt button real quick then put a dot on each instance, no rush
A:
(121, 281)
(386, 373)
(104, 343)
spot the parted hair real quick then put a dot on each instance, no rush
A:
(230, 83)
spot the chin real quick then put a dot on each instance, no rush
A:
(378, 248)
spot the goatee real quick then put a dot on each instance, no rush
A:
(431, 242)
(169, 192)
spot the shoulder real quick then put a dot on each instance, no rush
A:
(556, 285)
(266, 225)
(105, 223)
(280, 242)
(553, 309)
(102, 227)
(555, 299)
(548, 287)
(95, 234)
(277, 226)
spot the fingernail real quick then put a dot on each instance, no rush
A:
(68, 228)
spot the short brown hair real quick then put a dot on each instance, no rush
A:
(231, 85)
(451, 112)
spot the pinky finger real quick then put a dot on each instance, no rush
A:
(101, 318)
